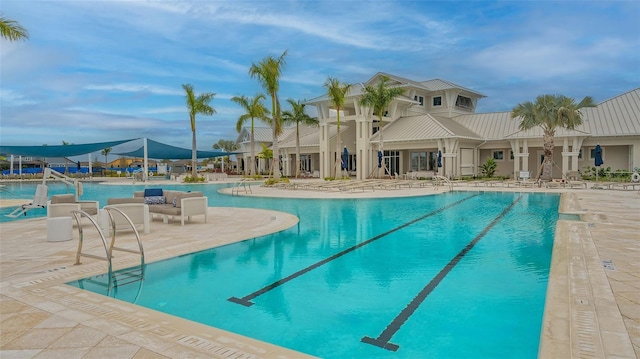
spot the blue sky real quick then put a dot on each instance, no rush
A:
(96, 71)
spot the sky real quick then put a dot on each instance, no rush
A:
(94, 71)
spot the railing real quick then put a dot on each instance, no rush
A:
(439, 180)
(242, 184)
(49, 172)
(110, 247)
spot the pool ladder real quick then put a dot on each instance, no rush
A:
(440, 180)
(129, 276)
(242, 184)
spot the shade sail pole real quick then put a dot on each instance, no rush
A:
(90, 167)
(146, 160)
(11, 167)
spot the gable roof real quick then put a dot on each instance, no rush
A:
(260, 134)
(424, 127)
(308, 136)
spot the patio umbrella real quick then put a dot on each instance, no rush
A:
(597, 156)
(439, 158)
(345, 159)
(379, 159)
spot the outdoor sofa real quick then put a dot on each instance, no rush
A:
(169, 203)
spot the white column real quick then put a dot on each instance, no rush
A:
(525, 155)
(325, 151)
(515, 148)
(11, 166)
(363, 151)
(565, 155)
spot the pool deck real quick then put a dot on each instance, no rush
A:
(592, 310)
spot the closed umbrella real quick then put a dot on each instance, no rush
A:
(439, 158)
(345, 159)
(379, 159)
(597, 156)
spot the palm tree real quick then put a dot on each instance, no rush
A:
(105, 153)
(337, 92)
(197, 105)
(550, 112)
(226, 146)
(12, 30)
(298, 116)
(268, 73)
(254, 109)
(266, 152)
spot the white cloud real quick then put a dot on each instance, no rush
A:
(158, 90)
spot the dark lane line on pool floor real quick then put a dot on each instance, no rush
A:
(246, 300)
(383, 339)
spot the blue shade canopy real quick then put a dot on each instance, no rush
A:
(597, 155)
(59, 150)
(162, 151)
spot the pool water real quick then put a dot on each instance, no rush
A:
(454, 275)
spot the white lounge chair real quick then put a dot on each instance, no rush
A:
(39, 201)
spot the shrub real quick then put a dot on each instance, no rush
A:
(190, 179)
(489, 167)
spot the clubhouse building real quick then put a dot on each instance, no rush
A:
(435, 122)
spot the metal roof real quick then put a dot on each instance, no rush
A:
(423, 127)
(260, 134)
(619, 116)
(309, 136)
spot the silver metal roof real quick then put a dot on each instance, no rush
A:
(619, 116)
(423, 127)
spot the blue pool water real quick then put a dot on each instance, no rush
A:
(455, 275)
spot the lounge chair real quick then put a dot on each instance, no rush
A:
(574, 180)
(39, 201)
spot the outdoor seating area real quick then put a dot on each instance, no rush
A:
(179, 204)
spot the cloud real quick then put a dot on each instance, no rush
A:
(157, 90)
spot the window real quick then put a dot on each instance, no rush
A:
(419, 99)
(437, 101)
(580, 154)
(418, 161)
(498, 155)
(464, 102)
(511, 156)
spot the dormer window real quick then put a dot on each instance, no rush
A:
(437, 101)
(419, 99)
(464, 102)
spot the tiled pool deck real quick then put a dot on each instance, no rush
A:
(592, 311)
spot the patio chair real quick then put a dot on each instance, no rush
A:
(39, 201)
(574, 180)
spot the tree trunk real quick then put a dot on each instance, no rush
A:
(547, 165)
(194, 157)
(381, 147)
(338, 166)
(276, 151)
(253, 153)
(297, 150)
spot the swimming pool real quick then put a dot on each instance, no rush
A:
(454, 275)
